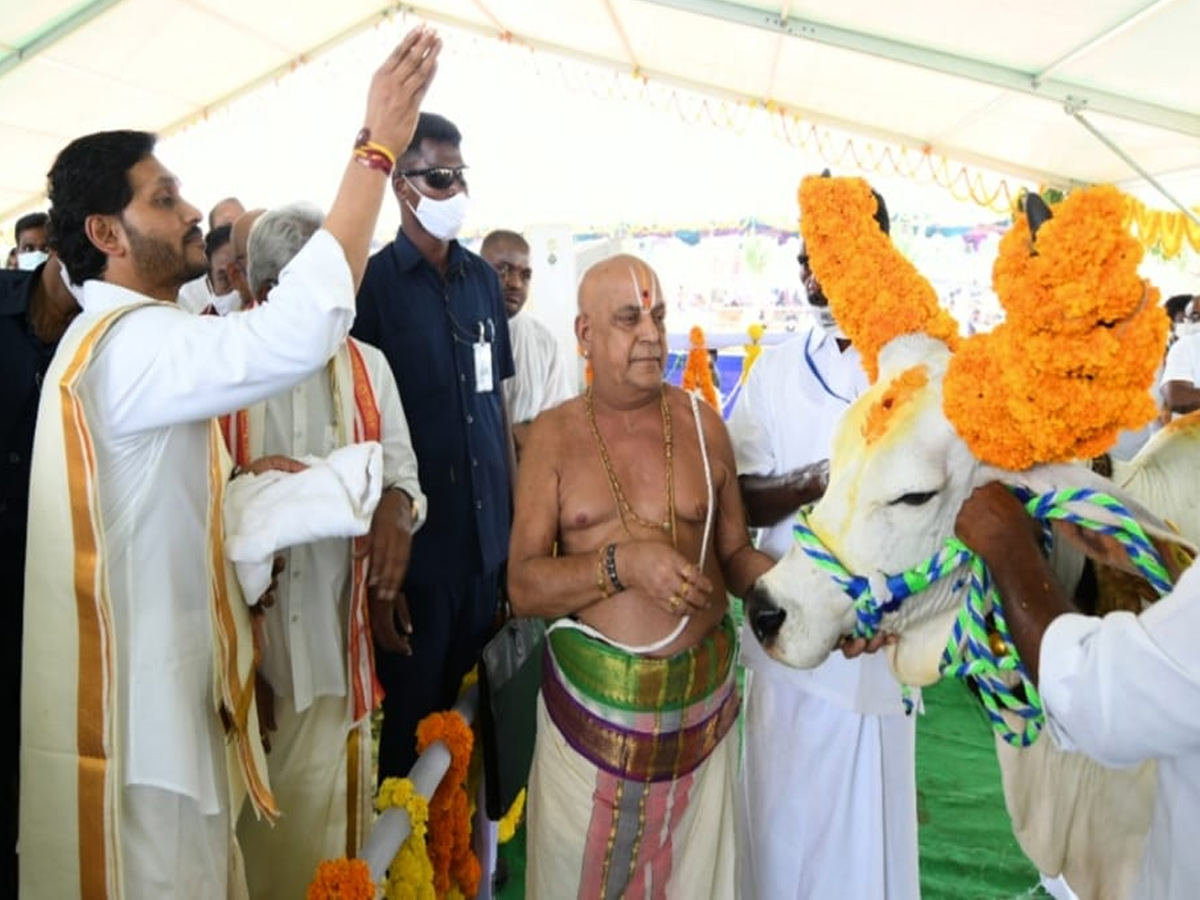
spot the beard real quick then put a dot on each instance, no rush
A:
(162, 263)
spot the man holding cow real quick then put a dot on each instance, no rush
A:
(836, 814)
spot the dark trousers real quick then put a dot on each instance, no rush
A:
(451, 623)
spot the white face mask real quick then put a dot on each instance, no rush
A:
(227, 303)
(1184, 329)
(31, 259)
(443, 219)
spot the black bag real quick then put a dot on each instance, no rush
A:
(510, 676)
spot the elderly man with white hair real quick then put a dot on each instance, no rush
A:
(316, 677)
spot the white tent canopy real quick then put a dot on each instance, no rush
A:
(995, 84)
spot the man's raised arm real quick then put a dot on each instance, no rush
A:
(393, 103)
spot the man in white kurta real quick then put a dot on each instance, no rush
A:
(540, 379)
(829, 780)
(320, 748)
(1180, 379)
(1122, 689)
(138, 734)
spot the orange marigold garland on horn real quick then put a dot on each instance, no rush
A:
(697, 374)
(455, 866)
(1075, 359)
(875, 293)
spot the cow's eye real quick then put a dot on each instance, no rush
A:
(915, 498)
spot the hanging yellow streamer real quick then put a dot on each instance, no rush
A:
(1166, 229)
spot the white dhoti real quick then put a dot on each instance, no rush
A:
(829, 799)
(632, 789)
(320, 769)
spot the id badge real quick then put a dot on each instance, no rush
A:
(483, 367)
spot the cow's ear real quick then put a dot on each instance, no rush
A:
(1176, 551)
(1106, 550)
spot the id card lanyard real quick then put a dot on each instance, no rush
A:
(483, 359)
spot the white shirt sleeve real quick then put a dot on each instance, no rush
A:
(399, 458)
(1181, 361)
(168, 367)
(753, 448)
(1126, 688)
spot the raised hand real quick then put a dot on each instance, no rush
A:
(398, 87)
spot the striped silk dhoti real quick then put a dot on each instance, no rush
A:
(632, 789)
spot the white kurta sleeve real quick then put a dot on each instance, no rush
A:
(173, 367)
(399, 458)
(1181, 361)
(753, 448)
(1126, 688)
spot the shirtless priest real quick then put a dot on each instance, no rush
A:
(628, 530)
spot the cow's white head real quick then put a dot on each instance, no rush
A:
(899, 469)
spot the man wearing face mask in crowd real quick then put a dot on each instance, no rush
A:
(437, 312)
(836, 814)
(218, 250)
(1181, 372)
(35, 309)
(31, 241)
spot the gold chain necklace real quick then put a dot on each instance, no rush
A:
(623, 508)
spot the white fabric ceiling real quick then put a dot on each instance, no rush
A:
(982, 83)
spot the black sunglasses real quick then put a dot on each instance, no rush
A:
(440, 178)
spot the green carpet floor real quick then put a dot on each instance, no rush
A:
(967, 848)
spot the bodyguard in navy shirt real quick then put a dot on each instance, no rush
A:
(436, 311)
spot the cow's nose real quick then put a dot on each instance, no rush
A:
(765, 617)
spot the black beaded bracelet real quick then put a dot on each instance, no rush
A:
(610, 566)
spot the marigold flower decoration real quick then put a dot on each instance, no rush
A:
(410, 876)
(1075, 359)
(875, 293)
(697, 374)
(455, 866)
(342, 879)
(753, 349)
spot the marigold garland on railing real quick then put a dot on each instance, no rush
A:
(456, 869)
(410, 876)
(342, 879)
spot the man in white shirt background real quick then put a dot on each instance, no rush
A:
(320, 745)
(829, 776)
(1181, 372)
(540, 382)
(137, 695)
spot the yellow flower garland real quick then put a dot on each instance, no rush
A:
(875, 293)
(1073, 362)
(410, 876)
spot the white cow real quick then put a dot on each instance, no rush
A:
(899, 472)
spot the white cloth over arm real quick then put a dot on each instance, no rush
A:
(1126, 688)
(334, 497)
